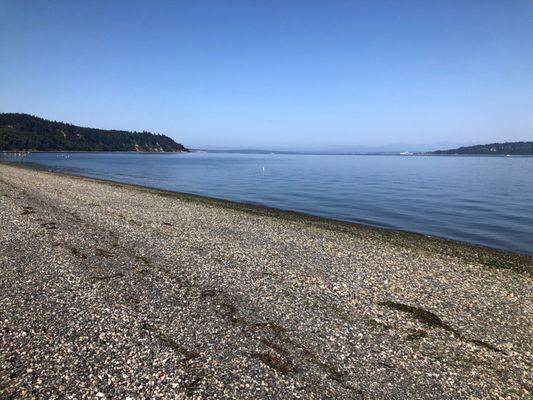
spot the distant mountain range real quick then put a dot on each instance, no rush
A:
(23, 132)
(393, 148)
(511, 148)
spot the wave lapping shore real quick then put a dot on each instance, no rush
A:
(116, 291)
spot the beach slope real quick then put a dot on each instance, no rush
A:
(115, 291)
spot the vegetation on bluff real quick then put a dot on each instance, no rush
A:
(27, 132)
(512, 148)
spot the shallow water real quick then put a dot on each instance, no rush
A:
(482, 200)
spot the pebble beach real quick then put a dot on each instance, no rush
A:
(116, 291)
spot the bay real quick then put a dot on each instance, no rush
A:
(481, 200)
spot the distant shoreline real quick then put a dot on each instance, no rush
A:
(261, 152)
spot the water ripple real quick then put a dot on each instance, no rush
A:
(483, 200)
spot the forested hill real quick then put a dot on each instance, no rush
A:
(26, 132)
(512, 148)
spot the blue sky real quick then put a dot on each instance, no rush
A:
(275, 73)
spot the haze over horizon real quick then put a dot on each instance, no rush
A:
(277, 74)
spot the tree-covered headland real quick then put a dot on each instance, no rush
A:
(23, 132)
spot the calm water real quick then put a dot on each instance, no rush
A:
(483, 200)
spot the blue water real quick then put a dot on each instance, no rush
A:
(482, 200)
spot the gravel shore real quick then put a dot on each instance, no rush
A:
(115, 291)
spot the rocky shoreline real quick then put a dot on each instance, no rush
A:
(117, 291)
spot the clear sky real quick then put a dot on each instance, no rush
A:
(265, 73)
